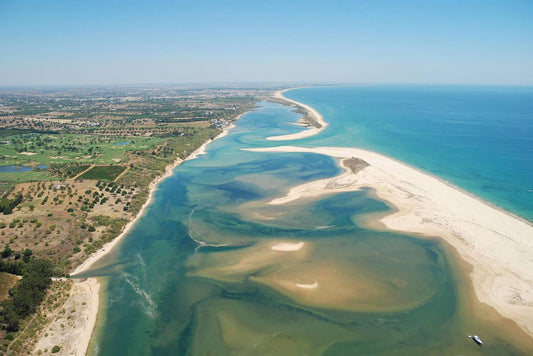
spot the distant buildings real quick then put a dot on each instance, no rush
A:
(219, 123)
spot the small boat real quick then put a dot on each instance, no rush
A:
(477, 340)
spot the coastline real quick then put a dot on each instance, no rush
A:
(90, 287)
(310, 131)
(493, 241)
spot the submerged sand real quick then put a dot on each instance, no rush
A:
(497, 244)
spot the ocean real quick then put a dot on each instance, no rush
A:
(197, 274)
(477, 138)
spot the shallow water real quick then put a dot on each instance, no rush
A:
(197, 273)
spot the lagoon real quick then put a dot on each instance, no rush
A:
(197, 274)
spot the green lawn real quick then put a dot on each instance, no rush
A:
(71, 148)
(19, 177)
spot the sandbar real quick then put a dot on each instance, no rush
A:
(494, 242)
(288, 246)
(307, 286)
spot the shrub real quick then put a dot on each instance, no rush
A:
(55, 349)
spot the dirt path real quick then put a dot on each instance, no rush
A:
(121, 174)
(79, 174)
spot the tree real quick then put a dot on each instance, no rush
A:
(26, 255)
(7, 252)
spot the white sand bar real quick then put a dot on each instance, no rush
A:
(498, 245)
(305, 133)
(287, 246)
(307, 286)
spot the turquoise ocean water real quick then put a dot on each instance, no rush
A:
(196, 274)
(478, 138)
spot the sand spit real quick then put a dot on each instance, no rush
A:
(75, 339)
(497, 244)
(305, 133)
(81, 309)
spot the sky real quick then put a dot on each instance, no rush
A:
(82, 42)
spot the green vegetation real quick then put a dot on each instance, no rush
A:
(7, 205)
(27, 294)
(7, 280)
(107, 173)
(114, 227)
(20, 177)
(68, 170)
(70, 148)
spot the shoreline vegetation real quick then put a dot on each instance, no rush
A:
(493, 241)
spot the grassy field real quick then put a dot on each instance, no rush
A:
(34, 149)
(55, 150)
(20, 177)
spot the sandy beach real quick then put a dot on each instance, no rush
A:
(85, 293)
(495, 243)
(311, 131)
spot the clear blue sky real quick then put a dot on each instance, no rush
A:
(122, 42)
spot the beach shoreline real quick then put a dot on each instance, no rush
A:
(493, 241)
(91, 286)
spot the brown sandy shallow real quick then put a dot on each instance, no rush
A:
(495, 243)
(335, 281)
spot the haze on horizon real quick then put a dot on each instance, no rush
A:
(59, 42)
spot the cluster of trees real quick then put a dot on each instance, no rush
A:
(7, 205)
(8, 252)
(29, 292)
